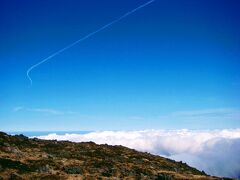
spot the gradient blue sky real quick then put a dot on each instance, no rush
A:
(173, 64)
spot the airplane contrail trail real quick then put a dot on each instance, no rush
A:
(83, 38)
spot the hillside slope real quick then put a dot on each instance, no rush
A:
(24, 158)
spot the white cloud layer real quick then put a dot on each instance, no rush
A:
(214, 151)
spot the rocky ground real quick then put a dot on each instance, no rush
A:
(24, 158)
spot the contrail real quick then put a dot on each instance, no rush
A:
(83, 38)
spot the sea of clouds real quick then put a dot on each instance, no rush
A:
(217, 152)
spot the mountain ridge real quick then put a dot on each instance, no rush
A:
(31, 158)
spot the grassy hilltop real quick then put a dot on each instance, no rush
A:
(24, 158)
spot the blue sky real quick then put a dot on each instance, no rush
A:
(172, 64)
